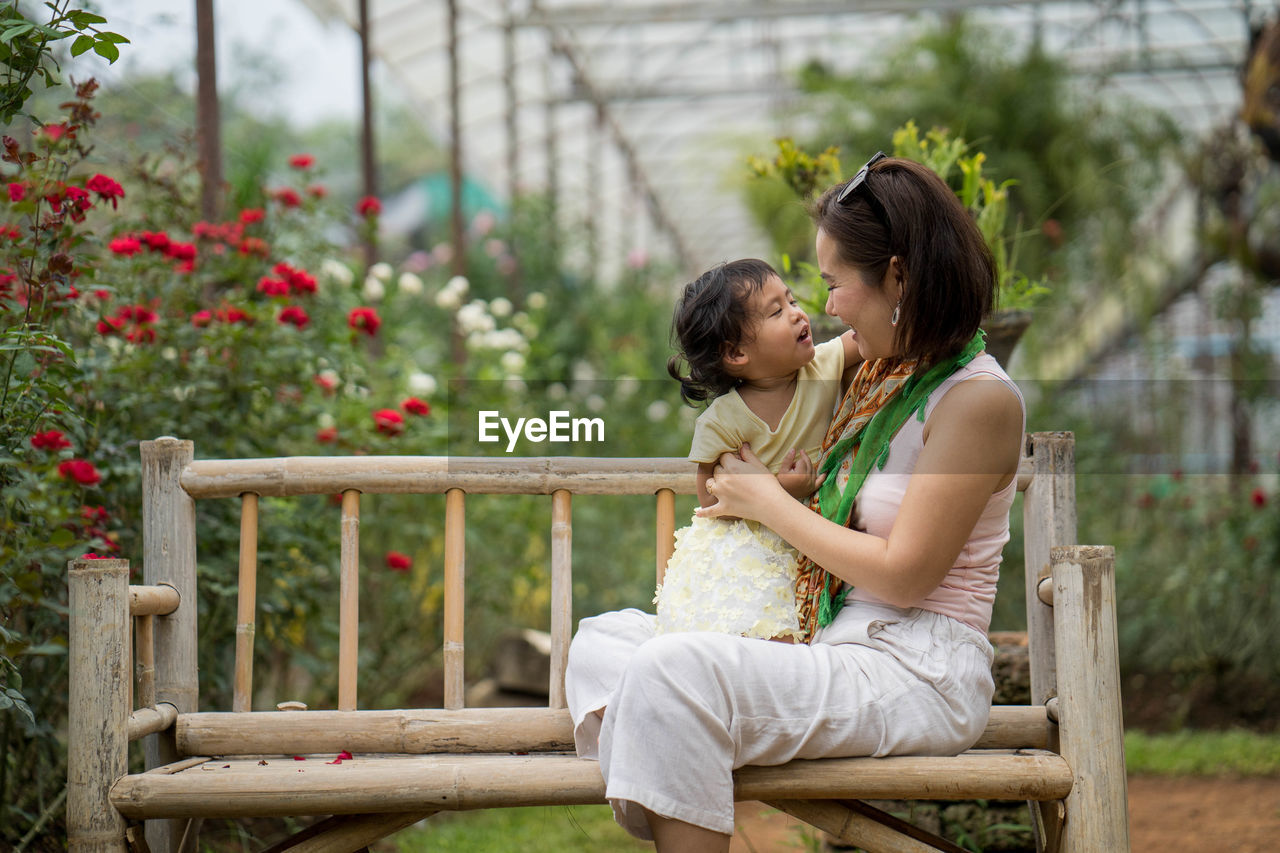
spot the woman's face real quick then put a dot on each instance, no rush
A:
(861, 303)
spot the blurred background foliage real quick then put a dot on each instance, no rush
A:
(1197, 551)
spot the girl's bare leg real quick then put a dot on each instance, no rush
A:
(676, 836)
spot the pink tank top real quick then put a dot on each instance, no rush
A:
(968, 590)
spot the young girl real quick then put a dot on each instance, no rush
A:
(749, 349)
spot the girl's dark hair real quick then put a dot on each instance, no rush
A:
(949, 276)
(710, 317)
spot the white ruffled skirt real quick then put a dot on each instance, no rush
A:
(732, 577)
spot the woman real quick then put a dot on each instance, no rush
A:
(902, 544)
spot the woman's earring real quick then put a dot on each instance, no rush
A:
(897, 310)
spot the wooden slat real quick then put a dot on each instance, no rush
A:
(561, 593)
(455, 536)
(158, 600)
(147, 721)
(286, 787)
(1049, 516)
(1089, 703)
(851, 826)
(349, 602)
(326, 475)
(246, 603)
(666, 530)
(145, 656)
(468, 730)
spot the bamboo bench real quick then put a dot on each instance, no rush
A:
(1063, 753)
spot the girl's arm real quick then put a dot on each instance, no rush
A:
(972, 442)
(852, 360)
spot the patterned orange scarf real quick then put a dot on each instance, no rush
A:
(883, 394)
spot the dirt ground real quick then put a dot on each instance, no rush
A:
(1166, 815)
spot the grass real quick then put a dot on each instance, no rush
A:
(1203, 753)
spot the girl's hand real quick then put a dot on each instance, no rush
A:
(798, 475)
(742, 486)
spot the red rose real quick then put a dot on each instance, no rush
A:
(327, 381)
(294, 315)
(157, 241)
(53, 132)
(1258, 497)
(93, 556)
(414, 406)
(388, 421)
(106, 188)
(127, 246)
(49, 440)
(94, 514)
(273, 286)
(17, 191)
(368, 206)
(398, 562)
(251, 215)
(364, 320)
(253, 246)
(301, 161)
(287, 197)
(79, 470)
(181, 251)
(327, 435)
(200, 319)
(317, 191)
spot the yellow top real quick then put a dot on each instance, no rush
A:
(728, 423)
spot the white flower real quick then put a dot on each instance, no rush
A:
(458, 283)
(595, 403)
(374, 289)
(449, 300)
(169, 354)
(423, 384)
(326, 421)
(474, 317)
(337, 272)
(515, 385)
(410, 284)
(537, 300)
(658, 411)
(627, 385)
(583, 372)
(512, 361)
(381, 271)
(329, 378)
(557, 391)
(500, 307)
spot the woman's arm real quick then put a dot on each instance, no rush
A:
(972, 443)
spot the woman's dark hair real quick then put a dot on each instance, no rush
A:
(949, 276)
(711, 316)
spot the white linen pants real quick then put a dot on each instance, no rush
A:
(682, 711)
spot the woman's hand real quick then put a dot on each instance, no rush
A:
(742, 487)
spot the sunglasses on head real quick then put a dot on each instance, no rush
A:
(859, 182)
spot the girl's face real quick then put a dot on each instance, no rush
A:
(780, 342)
(857, 300)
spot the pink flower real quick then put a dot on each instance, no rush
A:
(53, 132)
(17, 191)
(317, 191)
(294, 315)
(106, 188)
(79, 470)
(368, 206)
(388, 421)
(127, 246)
(327, 381)
(301, 161)
(250, 215)
(273, 286)
(1259, 497)
(398, 562)
(327, 435)
(202, 318)
(49, 440)
(233, 315)
(364, 320)
(93, 556)
(414, 406)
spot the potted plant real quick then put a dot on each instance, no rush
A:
(955, 161)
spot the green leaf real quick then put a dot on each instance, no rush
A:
(62, 538)
(13, 32)
(114, 38)
(46, 649)
(82, 19)
(107, 51)
(81, 44)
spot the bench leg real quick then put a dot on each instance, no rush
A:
(1089, 716)
(347, 833)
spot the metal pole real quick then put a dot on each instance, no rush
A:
(369, 174)
(208, 123)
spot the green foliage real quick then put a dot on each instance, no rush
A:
(26, 50)
(538, 830)
(1202, 753)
